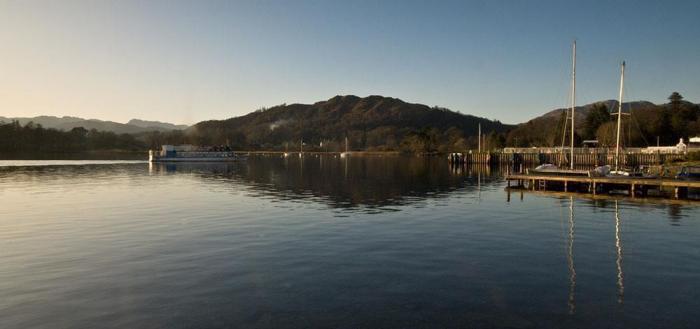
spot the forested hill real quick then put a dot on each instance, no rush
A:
(370, 123)
(647, 121)
(373, 123)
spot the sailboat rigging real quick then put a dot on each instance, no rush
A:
(549, 168)
(573, 106)
(619, 120)
(619, 171)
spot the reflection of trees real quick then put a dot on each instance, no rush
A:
(356, 180)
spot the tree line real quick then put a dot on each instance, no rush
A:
(17, 138)
(372, 124)
(645, 126)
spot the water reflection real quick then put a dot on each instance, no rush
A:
(618, 261)
(571, 302)
(372, 182)
(256, 245)
(570, 259)
(675, 208)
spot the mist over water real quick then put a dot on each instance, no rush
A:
(364, 242)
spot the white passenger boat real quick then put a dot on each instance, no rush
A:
(192, 153)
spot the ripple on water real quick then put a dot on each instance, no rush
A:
(269, 243)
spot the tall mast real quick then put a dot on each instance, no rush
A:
(479, 137)
(573, 103)
(619, 117)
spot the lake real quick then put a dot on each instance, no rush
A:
(364, 242)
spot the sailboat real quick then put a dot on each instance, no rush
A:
(347, 152)
(551, 169)
(618, 171)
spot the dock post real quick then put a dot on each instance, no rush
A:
(632, 190)
(566, 188)
(594, 188)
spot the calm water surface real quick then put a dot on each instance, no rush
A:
(330, 243)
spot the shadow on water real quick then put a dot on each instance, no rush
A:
(368, 181)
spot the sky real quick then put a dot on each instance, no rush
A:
(187, 61)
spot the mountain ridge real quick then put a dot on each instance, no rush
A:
(65, 123)
(372, 122)
(385, 123)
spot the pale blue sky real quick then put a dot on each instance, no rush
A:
(186, 61)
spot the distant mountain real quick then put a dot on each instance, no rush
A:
(669, 122)
(377, 123)
(582, 111)
(369, 122)
(156, 124)
(46, 121)
(66, 123)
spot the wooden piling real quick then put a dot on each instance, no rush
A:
(597, 184)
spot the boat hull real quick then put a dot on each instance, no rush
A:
(560, 172)
(196, 159)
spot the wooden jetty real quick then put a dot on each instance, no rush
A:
(632, 185)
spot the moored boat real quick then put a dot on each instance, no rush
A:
(191, 153)
(550, 169)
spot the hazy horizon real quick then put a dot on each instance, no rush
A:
(184, 62)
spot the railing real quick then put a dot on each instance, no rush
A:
(562, 159)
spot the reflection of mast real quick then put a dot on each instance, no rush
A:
(570, 259)
(347, 148)
(301, 147)
(618, 246)
(478, 182)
